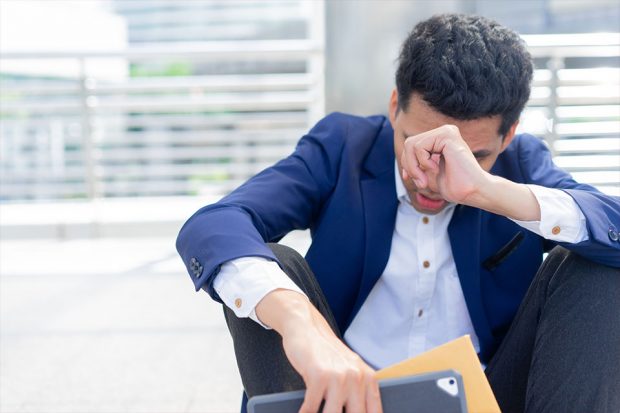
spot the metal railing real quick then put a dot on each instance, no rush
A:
(233, 108)
(86, 137)
(575, 104)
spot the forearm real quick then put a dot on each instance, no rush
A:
(289, 312)
(503, 197)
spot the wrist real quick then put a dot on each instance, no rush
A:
(483, 192)
(285, 311)
(503, 197)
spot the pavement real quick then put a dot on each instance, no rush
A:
(110, 324)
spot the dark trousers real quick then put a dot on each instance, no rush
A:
(561, 353)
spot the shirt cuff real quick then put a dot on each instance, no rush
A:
(561, 218)
(243, 282)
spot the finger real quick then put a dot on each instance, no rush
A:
(373, 397)
(314, 396)
(335, 397)
(427, 150)
(423, 156)
(413, 170)
(356, 403)
(357, 394)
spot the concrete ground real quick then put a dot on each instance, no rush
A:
(110, 325)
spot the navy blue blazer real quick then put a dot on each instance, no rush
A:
(340, 183)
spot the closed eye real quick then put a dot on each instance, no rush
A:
(481, 154)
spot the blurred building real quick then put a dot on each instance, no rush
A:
(361, 64)
(210, 92)
(216, 91)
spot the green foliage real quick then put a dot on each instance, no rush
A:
(180, 68)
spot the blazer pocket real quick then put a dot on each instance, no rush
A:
(504, 252)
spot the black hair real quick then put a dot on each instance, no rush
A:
(465, 67)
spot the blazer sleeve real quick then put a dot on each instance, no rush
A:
(602, 212)
(282, 198)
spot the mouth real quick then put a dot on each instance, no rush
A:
(429, 203)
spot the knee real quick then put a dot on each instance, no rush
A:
(292, 263)
(570, 267)
(566, 260)
(285, 253)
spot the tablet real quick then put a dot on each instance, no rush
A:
(437, 392)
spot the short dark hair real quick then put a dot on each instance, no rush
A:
(465, 67)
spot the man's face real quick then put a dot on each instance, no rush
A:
(481, 135)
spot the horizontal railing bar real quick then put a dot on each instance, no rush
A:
(594, 144)
(127, 171)
(186, 138)
(230, 83)
(257, 101)
(222, 49)
(173, 153)
(588, 161)
(588, 128)
(571, 39)
(598, 177)
(200, 138)
(574, 51)
(240, 120)
(574, 101)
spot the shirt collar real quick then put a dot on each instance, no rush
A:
(401, 191)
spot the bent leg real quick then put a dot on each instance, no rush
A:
(262, 363)
(562, 352)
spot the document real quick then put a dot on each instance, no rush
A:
(458, 355)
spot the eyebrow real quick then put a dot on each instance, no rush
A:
(482, 153)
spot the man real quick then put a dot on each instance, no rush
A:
(425, 226)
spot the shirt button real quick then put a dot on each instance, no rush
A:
(425, 220)
(426, 264)
(613, 235)
(556, 230)
(238, 303)
(420, 313)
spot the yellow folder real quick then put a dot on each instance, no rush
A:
(459, 355)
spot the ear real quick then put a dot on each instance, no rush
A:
(393, 106)
(509, 135)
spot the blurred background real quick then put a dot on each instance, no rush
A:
(120, 118)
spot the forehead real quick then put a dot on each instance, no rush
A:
(420, 117)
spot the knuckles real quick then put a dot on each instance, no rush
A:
(451, 129)
(340, 377)
(354, 376)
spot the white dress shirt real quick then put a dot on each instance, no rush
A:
(417, 303)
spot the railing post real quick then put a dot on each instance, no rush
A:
(87, 135)
(316, 61)
(555, 64)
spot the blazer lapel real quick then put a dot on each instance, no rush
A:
(464, 231)
(378, 191)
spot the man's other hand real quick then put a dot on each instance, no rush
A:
(330, 370)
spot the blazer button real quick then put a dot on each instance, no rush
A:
(613, 235)
(193, 261)
(556, 230)
(238, 303)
